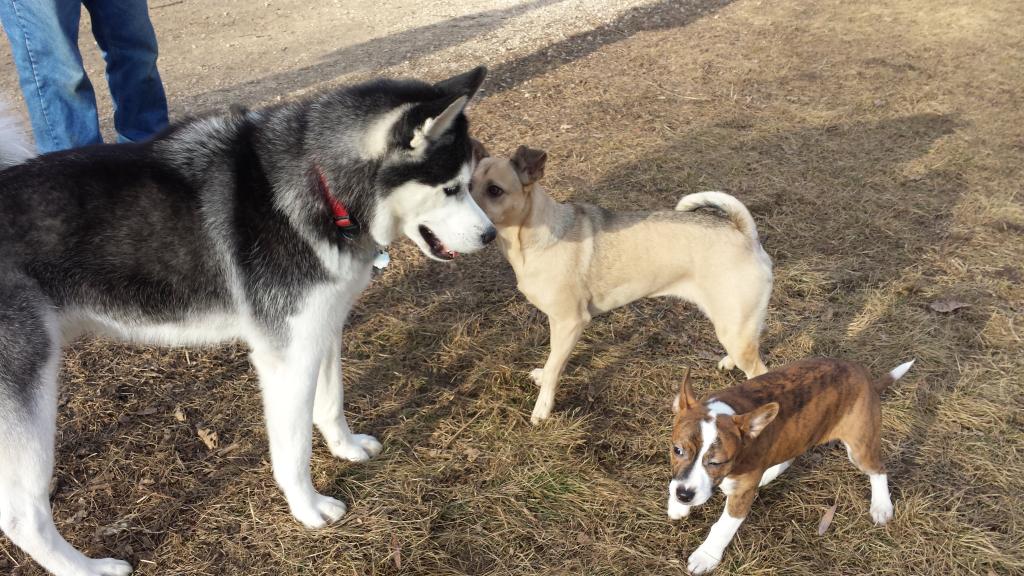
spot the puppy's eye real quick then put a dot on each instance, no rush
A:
(678, 451)
(717, 462)
(451, 190)
(494, 191)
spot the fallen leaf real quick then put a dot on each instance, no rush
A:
(472, 454)
(209, 437)
(396, 552)
(826, 519)
(178, 414)
(583, 539)
(947, 306)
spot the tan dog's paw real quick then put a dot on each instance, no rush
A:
(536, 374)
(726, 363)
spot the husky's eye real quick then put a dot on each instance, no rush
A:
(451, 190)
(494, 191)
(678, 451)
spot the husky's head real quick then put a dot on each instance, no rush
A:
(426, 165)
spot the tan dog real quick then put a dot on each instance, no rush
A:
(575, 261)
(743, 437)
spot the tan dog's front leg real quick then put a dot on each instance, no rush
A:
(708, 555)
(565, 332)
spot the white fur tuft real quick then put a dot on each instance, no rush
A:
(898, 372)
(15, 146)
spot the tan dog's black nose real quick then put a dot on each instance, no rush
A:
(489, 236)
(684, 494)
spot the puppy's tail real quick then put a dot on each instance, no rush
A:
(737, 212)
(895, 374)
(15, 147)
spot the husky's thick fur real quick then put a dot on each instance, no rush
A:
(224, 228)
(575, 261)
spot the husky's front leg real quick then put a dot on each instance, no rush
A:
(288, 383)
(329, 413)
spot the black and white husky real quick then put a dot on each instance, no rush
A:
(256, 226)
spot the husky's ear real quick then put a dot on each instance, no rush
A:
(465, 84)
(479, 150)
(429, 121)
(529, 164)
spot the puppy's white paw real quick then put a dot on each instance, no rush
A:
(726, 363)
(107, 567)
(881, 513)
(701, 562)
(360, 448)
(319, 512)
(536, 374)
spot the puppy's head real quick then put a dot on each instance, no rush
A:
(705, 446)
(502, 186)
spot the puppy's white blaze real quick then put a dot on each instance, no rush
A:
(699, 481)
(898, 372)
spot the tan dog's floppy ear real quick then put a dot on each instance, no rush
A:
(479, 150)
(529, 164)
(754, 422)
(685, 399)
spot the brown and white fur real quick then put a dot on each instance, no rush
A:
(575, 261)
(743, 437)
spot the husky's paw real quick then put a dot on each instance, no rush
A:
(360, 448)
(106, 567)
(726, 363)
(881, 513)
(319, 512)
(536, 374)
(702, 562)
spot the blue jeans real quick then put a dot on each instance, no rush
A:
(60, 98)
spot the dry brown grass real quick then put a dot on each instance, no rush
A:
(879, 146)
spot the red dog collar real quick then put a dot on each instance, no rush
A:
(339, 212)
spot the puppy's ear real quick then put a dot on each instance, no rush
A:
(685, 399)
(465, 84)
(754, 422)
(529, 164)
(479, 150)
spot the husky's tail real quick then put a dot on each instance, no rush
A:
(735, 209)
(15, 147)
(893, 375)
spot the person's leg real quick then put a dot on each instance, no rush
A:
(60, 98)
(125, 35)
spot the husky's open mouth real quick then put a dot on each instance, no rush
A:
(437, 248)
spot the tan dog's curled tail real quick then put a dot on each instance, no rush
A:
(895, 374)
(737, 212)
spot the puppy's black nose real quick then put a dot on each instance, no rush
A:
(683, 494)
(489, 235)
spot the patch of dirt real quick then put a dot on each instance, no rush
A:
(876, 143)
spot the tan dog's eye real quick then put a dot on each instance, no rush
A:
(494, 191)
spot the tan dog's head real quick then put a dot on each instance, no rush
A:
(706, 441)
(502, 186)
